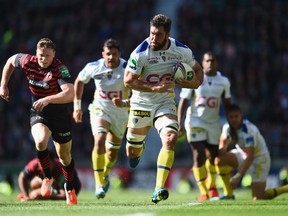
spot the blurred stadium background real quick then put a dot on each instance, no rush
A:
(248, 36)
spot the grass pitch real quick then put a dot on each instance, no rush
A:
(138, 203)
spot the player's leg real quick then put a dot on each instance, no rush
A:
(135, 144)
(68, 168)
(112, 145)
(224, 165)
(199, 169)
(100, 128)
(212, 152)
(41, 135)
(167, 127)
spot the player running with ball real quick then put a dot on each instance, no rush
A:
(148, 74)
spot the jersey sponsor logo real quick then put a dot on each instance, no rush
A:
(65, 72)
(153, 60)
(40, 84)
(132, 63)
(162, 54)
(110, 94)
(211, 102)
(141, 113)
(64, 134)
(250, 141)
(109, 74)
(156, 78)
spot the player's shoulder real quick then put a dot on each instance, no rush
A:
(249, 127)
(178, 44)
(221, 76)
(143, 46)
(32, 164)
(123, 63)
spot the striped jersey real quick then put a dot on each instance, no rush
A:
(108, 82)
(155, 66)
(44, 81)
(206, 99)
(249, 135)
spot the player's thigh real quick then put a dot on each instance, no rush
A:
(41, 134)
(228, 158)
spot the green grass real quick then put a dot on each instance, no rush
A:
(138, 203)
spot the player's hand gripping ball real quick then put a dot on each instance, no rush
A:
(182, 70)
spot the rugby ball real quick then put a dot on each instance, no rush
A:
(182, 70)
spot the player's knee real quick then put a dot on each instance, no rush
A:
(134, 144)
(112, 150)
(169, 128)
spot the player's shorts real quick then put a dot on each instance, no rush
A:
(259, 169)
(60, 125)
(197, 130)
(144, 115)
(118, 119)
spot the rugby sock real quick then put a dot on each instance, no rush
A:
(44, 161)
(200, 177)
(164, 163)
(98, 161)
(108, 165)
(68, 172)
(274, 192)
(211, 175)
(225, 175)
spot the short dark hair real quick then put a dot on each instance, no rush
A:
(161, 20)
(210, 53)
(46, 43)
(111, 43)
(234, 108)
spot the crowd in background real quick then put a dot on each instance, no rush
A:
(249, 38)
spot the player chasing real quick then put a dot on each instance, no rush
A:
(108, 111)
(31, 177)
(49, 83)
(202, 123)
(250, 156)
(149, 74)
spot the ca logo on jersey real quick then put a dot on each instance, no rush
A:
(65, 72)
(132, 63)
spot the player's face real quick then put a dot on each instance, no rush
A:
(209, 64)
(45, 57)
(158, 38)
(235, 119)
(111, 57)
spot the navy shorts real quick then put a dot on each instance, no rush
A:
(59, 124)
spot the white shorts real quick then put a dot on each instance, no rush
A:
(118, 119)
(144, 115)
(260, 167)
(197, 130)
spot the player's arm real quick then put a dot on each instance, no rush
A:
(23, 183)
(198, 77)
(118, 102)
(226, 103)
(132, 81)
(63, 97)
(78, 89)
(245, 166)
(223, 144)
(6, 74)
(181, 111)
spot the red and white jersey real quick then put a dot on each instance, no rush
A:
(206, 99)
(108, 82)
(155, 66)
(248, 136)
